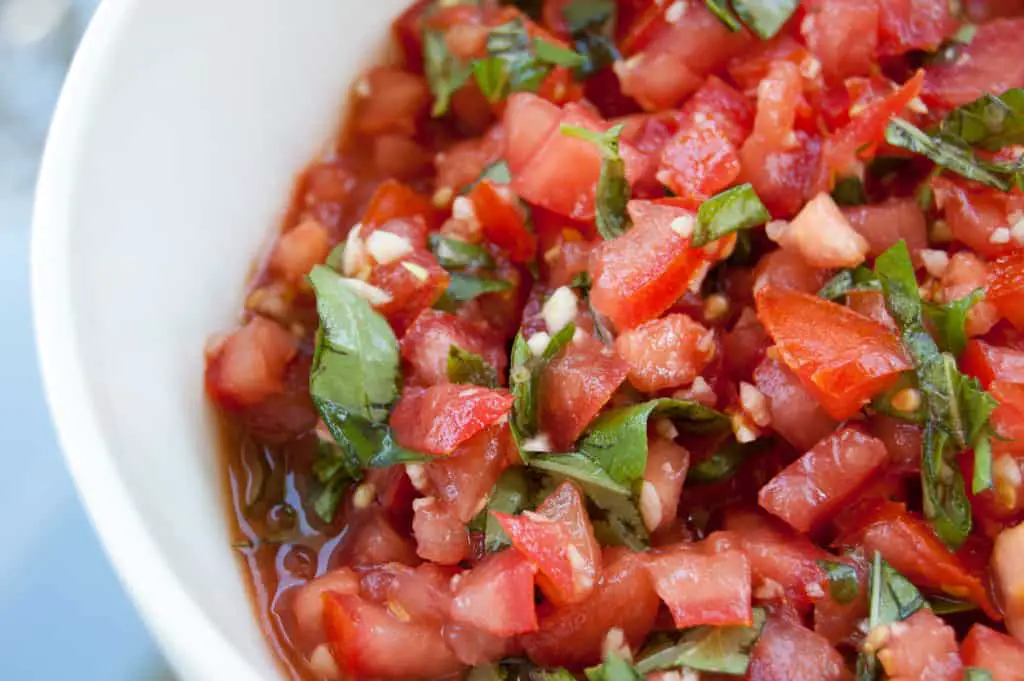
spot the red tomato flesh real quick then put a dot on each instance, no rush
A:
(436, 420)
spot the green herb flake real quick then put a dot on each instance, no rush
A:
(524, 379)
(849, 191)
(614, 668)
(491, 77)
(445, 73)
(849, 281)
(891, 598)
(470, 368)
(455, 254)
(945, 605)
(613, 190)
(977, 674)
(722, 10)
(465, 287)
(554, 54)
(722, 650)
(842, 580)
(765, 17)
(592, 26)
(949, 321)
(725, 462)
(510, 495)
(730, 211)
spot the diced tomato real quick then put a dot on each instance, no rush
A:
(966, 274)
(988, 64)
(990, 363)
(698, 162)
(438, 419)
(249, 366)
(921, 647)
(824, 479)
(441, 536)
(783, 178)
(1008, 418)
(369, 642)
(474, 646)
(640, 274)
(394, 200)
(394, 101)
(855, 142)
(461, 164)
(780, 555)
(528, 122)
(906, 25)
(998, 653)
(503, 221)
(373, 541)
(980, 11)
(822, 235)
(680, 53)
(843, 357)
(872, 305)
(911, 547)
(744, 347)
(421, 593)
(575, 386)
(464, 479)
(426, 345)
(750, 68)
(410, 291)
(885, 224)
(902, 439)
(559, 540)
(299, 249)
(400, 157)
(786, 268)
(664, 475)
(1006, 289)
(796, 413)
(408, 32)
(1008, 577)
(974, 213)
(573, 635)
(843, 35)
(778, 97)
(703, 588)
(568, 260)
(308, 600)
(787, 651)
(665, 353)
(497, 595)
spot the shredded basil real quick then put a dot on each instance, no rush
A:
(891, 598)
(465, 287)
(842, 580)
(613, 191)
(850, 280)
(559, 56)
(849, 191)
(764, 17)
(445, 73)
(517, 63)
(944, 605)
(949, 321)
(730, 211)
(725, 462)
(977, 674)
(511, 494)
(524, 379)
(614, 668)
(722, 650)
(722, 10)
(455, 254)
(592, 26)
(470, 368)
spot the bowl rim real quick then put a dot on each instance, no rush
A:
(189, 639)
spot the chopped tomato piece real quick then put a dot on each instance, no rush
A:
(528, 122)
(1006, 290)
(786, 268)
(394, 102)
(575, 386)
(871, 304)
(703, 588)
(965, 275)
(559, 540)
(428, 341)
(787, 651)
(778, 98)
(460, 165)
(308, 600)
(250, 365)
(885, 224)
(664, 475)
(503, 221)
(299, 249)
(573, 635)
(1008, 577)
(907, 542)
(394, 200)
(819, 483)
(988, 64)
(369, 642)
(665, 353)
(902, 439)
(1008, 418)
(1001, 655)
(843, 35)
(843, 357)
(373, 540)
(464, 479)
(413, 284)
(906, 25)
(731, 110)
(497, 595)
(698, 162)
(640, 274)
(441, 536)
(921, 647)
(438, 419)
(990, 363)
(974, 213)
(822, 235)
(783, 177)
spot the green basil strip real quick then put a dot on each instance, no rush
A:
(559, 56)
(722, 10)
(498, 173)
(727, 212)
(466, 287)
(511, 494)
(614, 668)
(725, 462)
(891, 598)
(765, 17)
(492, 78)
(849, 191)
(578, 468)
(944, 605)
(524, 379)
(455, 254)
(613, 191)
(842, 580)
(950, 321)
(989, 122)
(977, 674)
(850, 280)
(470, 368)
(445, 74)
(722, 650)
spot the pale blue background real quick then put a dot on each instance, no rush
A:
(63, 614)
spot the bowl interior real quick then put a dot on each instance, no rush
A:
(178, 136)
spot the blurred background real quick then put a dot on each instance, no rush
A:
(63, 613)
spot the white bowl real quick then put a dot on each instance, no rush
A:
(172, 152)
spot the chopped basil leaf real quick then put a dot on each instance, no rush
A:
(491, 77)
(722, 650)
(582, 281)
(977, 674)
(592, 26)
(722, 10)
(613, 191)
(336, 258)
(465, 287)
(578, 468)
(614, 668)
(944, 605)
(849, 191)
(617, 521)
(989, 122)
(455, 254)
(553, 675)
(517, 63)
(524, 378)
(498, 173)
(725, 462)
(765, 17)
(445, 73)
(583, 14)
(486, 672)
(842, 580)
(857, 279)
(617, 440)
(511, 494)
(326, 502)
(891, 598)
(470, 368)
(727, 212)
(950, 319)
(559, 56)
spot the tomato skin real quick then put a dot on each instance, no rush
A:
(1006, 289)
(425, 346)
(783, 178)
(1001, 655)
(575, 386)
(843, 357)
(497, 595)
(394, 200)
(786, 268)
(438, 419)
(397, 100)
(665, 353)
(464, 479)
(640, 274)
(249, 366)
(503, 222)
(988, 64)
(299, 249)
(921, 647)
(819, 483)
(462, 163)
(884, 224)
(572, 636)
(787, 651)
(989, 363)
(908, 544)
(529, 120)
(703, 588)
(559, 540)
(368, 642)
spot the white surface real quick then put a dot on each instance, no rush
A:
(170, 159)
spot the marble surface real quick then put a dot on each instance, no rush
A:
(63, 613)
